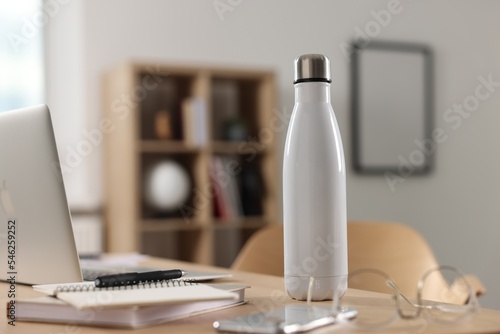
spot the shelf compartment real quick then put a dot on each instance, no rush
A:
(178, 245)
(186, 161)
(160, 111)
(240, 186)
(229, 241)
(235, 108)
(227, 245)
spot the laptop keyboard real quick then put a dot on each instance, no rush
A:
(90, 274)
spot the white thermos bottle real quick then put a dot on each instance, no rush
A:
(314, 188)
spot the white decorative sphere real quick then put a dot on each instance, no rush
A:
(167, 186)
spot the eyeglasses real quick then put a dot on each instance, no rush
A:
(443, 295)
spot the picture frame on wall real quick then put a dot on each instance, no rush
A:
(392, 108)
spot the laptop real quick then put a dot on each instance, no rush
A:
(37, 245)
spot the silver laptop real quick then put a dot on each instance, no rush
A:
(37, 245)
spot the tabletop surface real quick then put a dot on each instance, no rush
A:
(266, 294)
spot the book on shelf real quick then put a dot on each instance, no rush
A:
(219, 208)
(226, 189)
(134, 306)
(194, 121)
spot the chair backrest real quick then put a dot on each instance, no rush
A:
(396, 249)
(263, 252)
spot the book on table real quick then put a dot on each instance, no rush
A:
(130, 306)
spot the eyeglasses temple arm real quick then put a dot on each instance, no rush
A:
(394, 287)
(475, 284)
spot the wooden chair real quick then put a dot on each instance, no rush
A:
(393, 248)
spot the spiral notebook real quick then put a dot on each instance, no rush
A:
(86, 295)
(51, 309)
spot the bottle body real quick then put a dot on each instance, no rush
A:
(314, 197)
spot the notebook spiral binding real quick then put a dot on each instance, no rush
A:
(140, 285)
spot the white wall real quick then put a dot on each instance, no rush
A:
(456, 208)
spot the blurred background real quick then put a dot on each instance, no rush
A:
(230, 54)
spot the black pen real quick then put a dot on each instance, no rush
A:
(135, 278)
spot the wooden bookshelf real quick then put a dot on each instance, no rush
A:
(236, 104)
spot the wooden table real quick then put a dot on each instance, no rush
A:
(267, 293)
